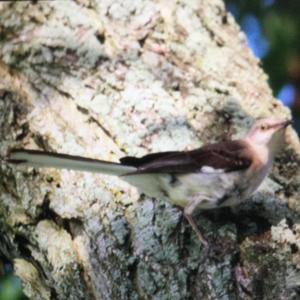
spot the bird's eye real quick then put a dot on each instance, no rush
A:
(263, 127)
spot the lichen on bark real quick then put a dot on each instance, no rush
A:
(110, 78)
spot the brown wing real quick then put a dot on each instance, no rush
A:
(227, 156)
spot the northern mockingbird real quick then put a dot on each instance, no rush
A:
(215, 175)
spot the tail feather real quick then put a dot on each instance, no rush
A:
(35, 158)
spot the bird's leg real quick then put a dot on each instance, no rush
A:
(188, 213)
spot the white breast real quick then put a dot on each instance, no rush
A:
(258, 171)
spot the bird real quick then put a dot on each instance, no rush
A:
(222, 174)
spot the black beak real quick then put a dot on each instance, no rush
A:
(287, 123)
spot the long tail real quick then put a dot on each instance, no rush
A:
(35, 158)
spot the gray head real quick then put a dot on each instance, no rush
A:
(268, 132)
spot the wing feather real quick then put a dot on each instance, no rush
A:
(227, 156)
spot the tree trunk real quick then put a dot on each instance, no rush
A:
(111, 78)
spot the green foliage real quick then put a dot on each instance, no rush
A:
(10, 288)
(280, 23)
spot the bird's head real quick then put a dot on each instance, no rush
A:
(268, 132)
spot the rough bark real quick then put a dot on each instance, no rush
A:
(109, 78)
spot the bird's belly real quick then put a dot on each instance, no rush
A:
(253, 181)
(208, 189)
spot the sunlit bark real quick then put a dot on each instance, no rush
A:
(110, 78)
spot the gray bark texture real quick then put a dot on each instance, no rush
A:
(108, 78)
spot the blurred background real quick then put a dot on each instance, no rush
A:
(10, 286)
(273, 33)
